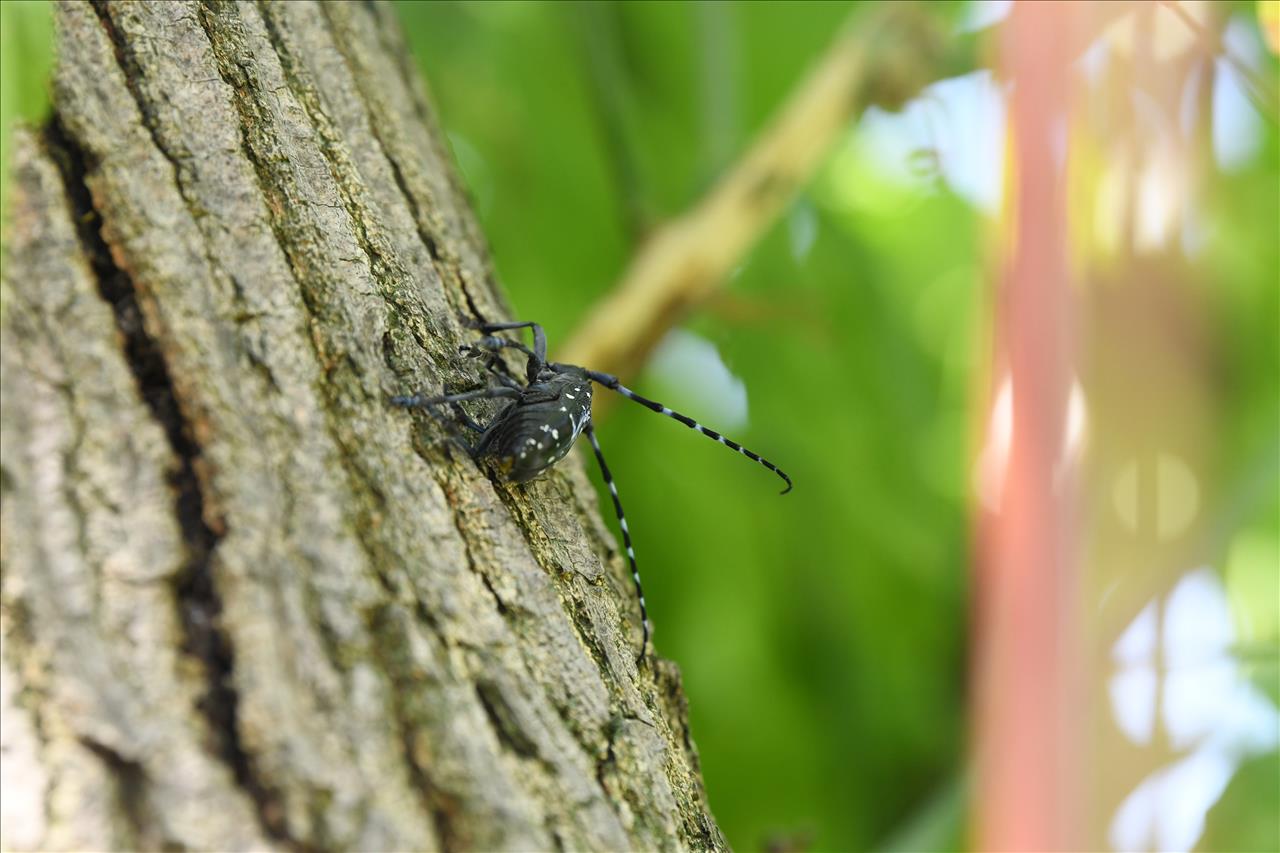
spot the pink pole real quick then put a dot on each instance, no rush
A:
(1026, 653)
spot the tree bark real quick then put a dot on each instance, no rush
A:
(246, 604)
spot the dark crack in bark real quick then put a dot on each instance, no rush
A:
(130, 780)
(198, 602)
(390, 642)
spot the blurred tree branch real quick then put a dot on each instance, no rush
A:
(884, 55)
(1260, 89)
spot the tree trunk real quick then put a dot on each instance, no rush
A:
(246, 603)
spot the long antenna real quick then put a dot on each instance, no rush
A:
(626, 534)
(612, 382)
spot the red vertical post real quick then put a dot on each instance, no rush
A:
(1026, 587)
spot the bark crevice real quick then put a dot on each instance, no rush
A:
(389, 642)
(196, 596)
(129, 780)
(433, 236)
(243, 88)
(384, 266)
(428, 240)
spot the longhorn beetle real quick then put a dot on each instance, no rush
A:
(545, 416)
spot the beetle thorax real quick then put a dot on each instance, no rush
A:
(537, 430)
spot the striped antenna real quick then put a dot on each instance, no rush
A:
(612, 382)
(626, 537)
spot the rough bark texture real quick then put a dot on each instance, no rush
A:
(246, 603)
